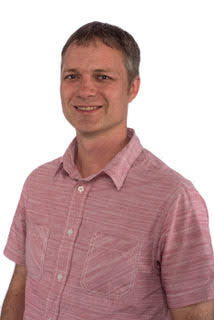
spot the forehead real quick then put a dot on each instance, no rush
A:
(95, 54)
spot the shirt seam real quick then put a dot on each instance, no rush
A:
(167, 204)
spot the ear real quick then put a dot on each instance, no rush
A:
(135, 86)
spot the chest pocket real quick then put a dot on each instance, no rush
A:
(36, 245)
(110, 267)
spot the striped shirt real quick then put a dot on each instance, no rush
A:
(129, 242)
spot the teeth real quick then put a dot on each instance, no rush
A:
(86, 108)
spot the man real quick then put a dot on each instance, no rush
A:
(107, 231)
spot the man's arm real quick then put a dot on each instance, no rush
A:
(200, 311)
(14, 302)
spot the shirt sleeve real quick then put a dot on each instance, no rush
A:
(15, 246)
(187, 261)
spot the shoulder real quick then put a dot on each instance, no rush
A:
(177, 194)
(155, 178)
(152, 169)
(44, 172)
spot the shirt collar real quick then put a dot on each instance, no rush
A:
(117, 169)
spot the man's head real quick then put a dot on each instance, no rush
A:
(113, 37)
(98, 79)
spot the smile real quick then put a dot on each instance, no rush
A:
(87, 108)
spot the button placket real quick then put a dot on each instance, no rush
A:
(73, 224)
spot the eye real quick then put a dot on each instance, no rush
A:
(103, 77)
(71, 76)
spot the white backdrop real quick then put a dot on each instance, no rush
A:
(172, 115)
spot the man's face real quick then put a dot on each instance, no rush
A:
(94, 88)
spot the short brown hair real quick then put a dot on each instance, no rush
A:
(113, 37)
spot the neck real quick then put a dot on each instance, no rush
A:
(95, 152)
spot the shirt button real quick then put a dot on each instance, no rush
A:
(70, 231)
(80, 188)
(59, 276)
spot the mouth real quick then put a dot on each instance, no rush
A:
(87, 108)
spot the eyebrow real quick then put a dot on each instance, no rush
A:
(104, 70)
(96, 70)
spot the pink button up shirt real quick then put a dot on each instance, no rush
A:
(128, 243)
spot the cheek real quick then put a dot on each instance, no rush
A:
(113, 93)
(65, 96)
(62, 92)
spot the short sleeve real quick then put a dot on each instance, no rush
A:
(187, 262)
(15, 246)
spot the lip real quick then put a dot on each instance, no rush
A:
(88, 111)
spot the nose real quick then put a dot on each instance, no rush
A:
(86, 88)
